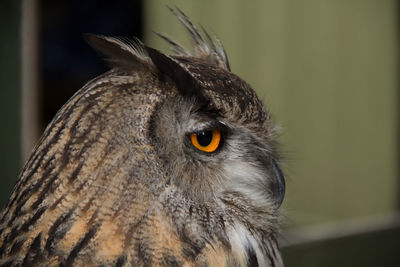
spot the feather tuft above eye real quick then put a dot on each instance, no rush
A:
(204, 46)
(121, 51)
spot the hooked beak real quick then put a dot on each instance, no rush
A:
(278, 186)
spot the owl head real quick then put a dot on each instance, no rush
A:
(212, 135)
(210, 138)
(164, 160)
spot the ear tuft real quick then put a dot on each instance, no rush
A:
(204, 46)
(121, 51)
(171, 67)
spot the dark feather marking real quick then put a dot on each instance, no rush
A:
(99, 190)
(84, 135)
(26, 194)
(81, 245)
(192, 248)
(36, 244)
(11, 236)
(48, 168)
(5, 211)
(89, 202)
(41, 153)
(90, 102)
(144, 253)
(64, 162)
(189, 252)
(268, 253)
(127, 241)
(4, 245)
(170, 260)
(76, 172)
(87, 145)
(106, 173)
(54, 205)
(11, 263)
(190, 210)
(3, 248)
(34, 161)
(45, 190)
(207, 216)
(251, 257)
(273, 240)
(77, 190)
(17, 246)
(20, 202)
(17, 212)
(34, 254)
(94, 218)
(121, 261)
(34, 218)
(13, 200)
(223, 237)
(192, 245)
(61, 117)
(33, 165)
(233, 204)
(58, 229)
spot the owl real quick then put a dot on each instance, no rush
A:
(164, 160)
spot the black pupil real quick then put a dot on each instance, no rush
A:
(204, 138)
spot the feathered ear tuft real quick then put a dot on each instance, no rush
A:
(208, 48)
(185, 82)
(121, 51)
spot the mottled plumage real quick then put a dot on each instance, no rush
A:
(116, 181)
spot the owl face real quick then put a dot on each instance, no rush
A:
(209, 129)
(218, 139)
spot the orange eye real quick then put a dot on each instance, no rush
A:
(207, 141)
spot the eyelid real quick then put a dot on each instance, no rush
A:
(208, 126)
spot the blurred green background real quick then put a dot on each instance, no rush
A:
(326, 69)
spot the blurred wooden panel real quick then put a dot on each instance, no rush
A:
(356, 244)
(9, 96)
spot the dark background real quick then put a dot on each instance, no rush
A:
(67, 61)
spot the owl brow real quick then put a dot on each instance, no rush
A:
(207, 108)
(209, 126)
